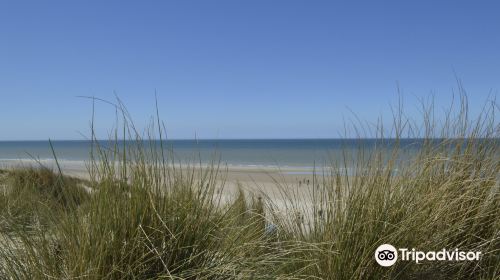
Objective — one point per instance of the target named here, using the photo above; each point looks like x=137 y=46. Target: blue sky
x=237 y=69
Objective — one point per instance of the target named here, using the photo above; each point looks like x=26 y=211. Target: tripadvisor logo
x=387 y=255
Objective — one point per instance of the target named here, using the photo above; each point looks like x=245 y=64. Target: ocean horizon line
x=237 y=139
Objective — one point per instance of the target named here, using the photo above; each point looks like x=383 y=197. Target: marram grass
x=146 y=218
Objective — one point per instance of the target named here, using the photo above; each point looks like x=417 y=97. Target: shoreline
x=280 y=186
x=78 y=168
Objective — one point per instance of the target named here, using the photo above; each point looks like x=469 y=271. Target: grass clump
x=445 y=195
x=147 y=218
x=131 y=230
x=28 y=193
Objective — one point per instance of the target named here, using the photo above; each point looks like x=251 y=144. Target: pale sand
x=256 y=178
x=286 y=190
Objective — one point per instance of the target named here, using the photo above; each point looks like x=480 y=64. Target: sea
x=295 y=155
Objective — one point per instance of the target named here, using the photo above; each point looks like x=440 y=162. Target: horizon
x=242 y=139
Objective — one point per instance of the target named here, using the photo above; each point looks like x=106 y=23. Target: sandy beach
x=271 y=182
x=245 y=175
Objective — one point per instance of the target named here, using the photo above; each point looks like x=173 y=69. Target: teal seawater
x=304 y=153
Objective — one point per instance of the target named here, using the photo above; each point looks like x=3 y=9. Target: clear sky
x=237 y=69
